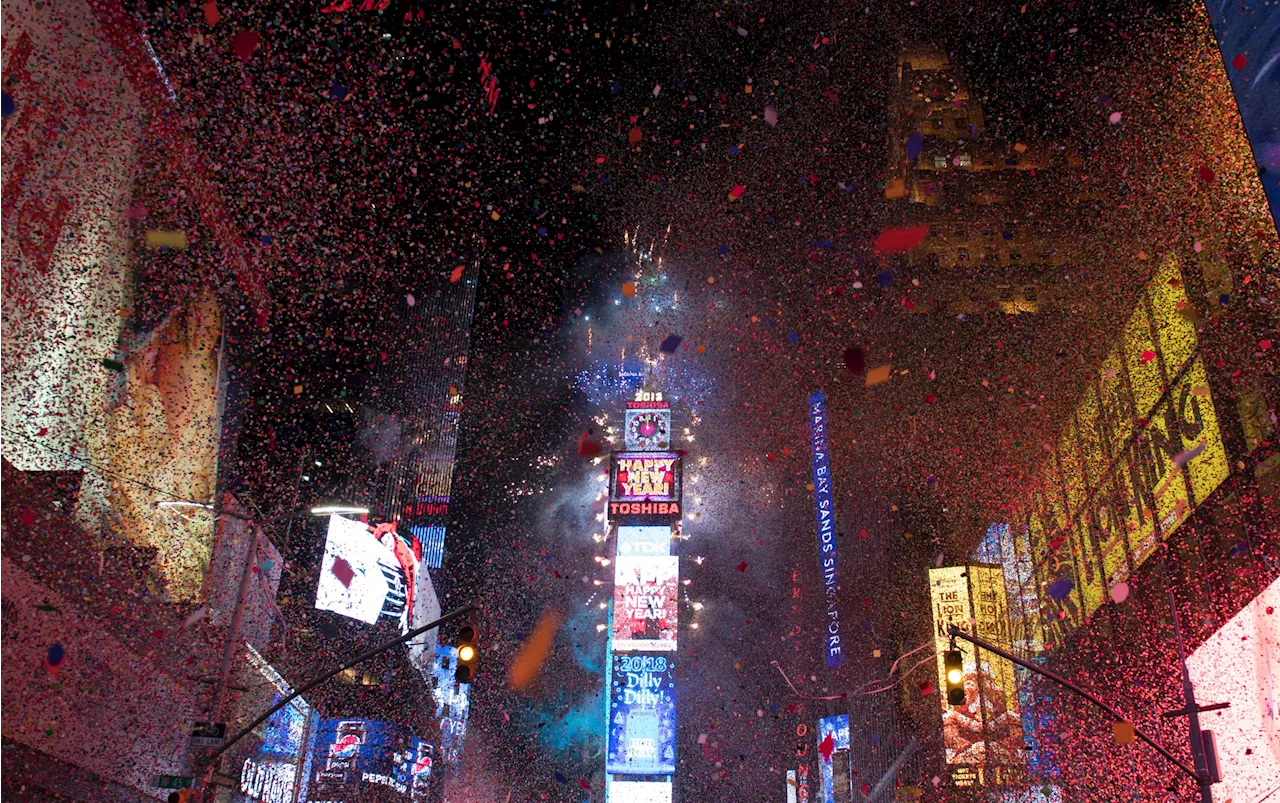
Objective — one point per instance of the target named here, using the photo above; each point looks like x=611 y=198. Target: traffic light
x=182 y=796
x=468 y=654
x=953 y=663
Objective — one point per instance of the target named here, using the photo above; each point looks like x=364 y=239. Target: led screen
x=645 y=603
x=825 y=508
x=987 y=728
x=647 y=430
x=640 y=792
x=356 y=577
x=835 y=765
x=353 y=757
x=645 y=477
x=642 y=728
x=644 y=541
x=1240 y=664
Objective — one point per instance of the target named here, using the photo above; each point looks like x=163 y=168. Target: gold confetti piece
x=1123 y=732
x=896 y=188
x=878 y=375
x=628 y=289
x=297 y=390
x=172 y=239
x=533 y=653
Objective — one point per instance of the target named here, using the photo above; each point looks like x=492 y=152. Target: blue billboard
x=1249 y=36
x=835 y=766
x=824 y=502
x=642 y=730
x=353 y=756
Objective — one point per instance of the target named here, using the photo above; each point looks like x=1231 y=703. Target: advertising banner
x=835 y=766
x=640 y=792
x=365 y=574
x=642 y=728
x=644 y=541
x=791 y=786
x=645 y=603
x=1241 y=663
x=353 y=757
x=1132 y=463
x=273 y=773
x=644 y=487
x=647 y=430
x=824 y=504
x=987 y=728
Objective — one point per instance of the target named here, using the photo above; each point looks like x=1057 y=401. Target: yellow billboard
x=1134 y=460
x=987 y=728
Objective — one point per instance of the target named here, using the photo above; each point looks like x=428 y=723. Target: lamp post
x=237 y=614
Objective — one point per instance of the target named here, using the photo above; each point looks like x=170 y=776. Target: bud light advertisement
x=354 y=756
x=642 y=731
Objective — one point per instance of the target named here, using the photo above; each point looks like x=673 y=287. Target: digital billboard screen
x=825 y=508
x=642 y=726
x=640 y=791
x=1241 y=664
x=647 y=430
x=987 y=728
x=359 y=576
x=835 y=766
x=353 y=757
x=644 y=486
x=645 y=603
x=648 y=540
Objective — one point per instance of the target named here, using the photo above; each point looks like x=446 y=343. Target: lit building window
x=940 y=163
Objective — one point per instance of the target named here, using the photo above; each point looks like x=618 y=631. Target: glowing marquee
x=644 y=484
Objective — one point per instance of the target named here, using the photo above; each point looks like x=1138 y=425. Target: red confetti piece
x=742 y=567
x=1147 y=356
x=456 y=275
x=343 y=571
x=1239 y=61
x=827 y=747
x=736 y=192
x=903 y=239
x=244 y=44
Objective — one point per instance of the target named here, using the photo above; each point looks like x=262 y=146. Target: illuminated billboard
x=361 y=576
x=1240 y=664
x=1131 y=464
x=824 y=504
x=645 y=603
x=644 y=487
x=640 y=792
x=273 y=773
x=644 y=540
x=647 y=430
x=791 y=786
x=645 y=477
x=835 y=767
x=642 y=726
x=354 y=757
x=987 y=728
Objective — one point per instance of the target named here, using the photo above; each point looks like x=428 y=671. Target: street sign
x=209 y=734
x=175 y=781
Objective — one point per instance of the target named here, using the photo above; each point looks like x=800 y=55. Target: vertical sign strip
x=824 y=502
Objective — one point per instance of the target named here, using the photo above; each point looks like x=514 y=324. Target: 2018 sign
x=642 y=731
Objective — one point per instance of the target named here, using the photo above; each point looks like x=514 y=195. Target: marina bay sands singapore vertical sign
x=824 y=501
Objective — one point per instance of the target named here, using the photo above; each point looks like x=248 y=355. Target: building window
x=939 y=163
x=964 y=160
